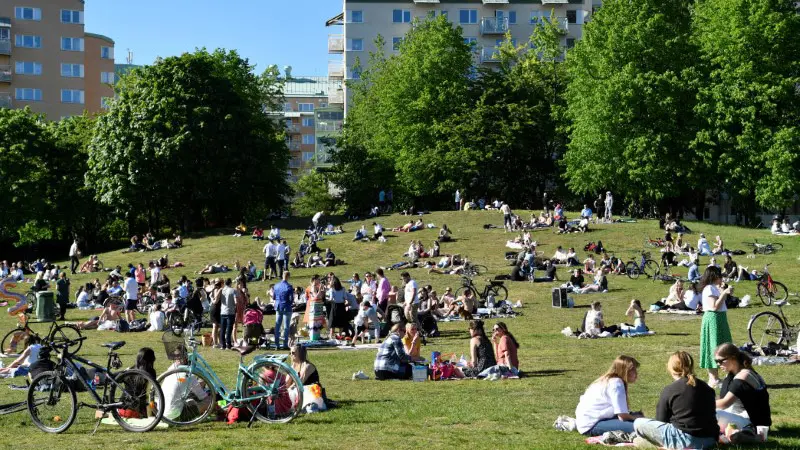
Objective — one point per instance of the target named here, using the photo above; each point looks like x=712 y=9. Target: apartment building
x=484 y=24
x=49 y=63
x=310 y=129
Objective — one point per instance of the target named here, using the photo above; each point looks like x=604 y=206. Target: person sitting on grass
x=464 y=305
x=593 y=323
x=605 y=404
x=444 y=234
x=330 y=258
x=635 y=311
x=361 y=233
x=481 y=352
x=743 y=398
x=588 y=264
x=572 y=258
x=576 y=280
x=297 y=262
x=239 y=230
x=560 y=256
x=730 y=270
x=411 y=342
x=315 y=260
x=366 y=320
x=20 y=366
x=685 y=413
x=392 y=362
x=258 y=234
x=549 y=273
x=600 y=284
x=184 y=397
x=719 y=246
x=505 y=346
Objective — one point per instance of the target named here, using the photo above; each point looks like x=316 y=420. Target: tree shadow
x=785 y=431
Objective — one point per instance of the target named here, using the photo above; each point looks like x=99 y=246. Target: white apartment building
x=484 y=24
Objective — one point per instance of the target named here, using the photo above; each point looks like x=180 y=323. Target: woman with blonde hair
x=685 y=416
x=604 y=405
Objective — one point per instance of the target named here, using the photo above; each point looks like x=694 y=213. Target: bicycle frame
x=67 y=361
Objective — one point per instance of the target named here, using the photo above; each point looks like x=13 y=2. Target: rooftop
x=99 y=36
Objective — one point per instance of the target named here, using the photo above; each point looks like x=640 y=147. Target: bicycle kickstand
x=253 y=416
x=97 y=425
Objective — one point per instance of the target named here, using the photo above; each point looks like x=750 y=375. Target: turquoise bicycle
x=269 y=387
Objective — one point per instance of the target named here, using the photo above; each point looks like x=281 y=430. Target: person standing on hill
x=284 y=302
x=315 y=219
x=506 y=210
x=609 y=203
x=458 y=200
x=74 y=253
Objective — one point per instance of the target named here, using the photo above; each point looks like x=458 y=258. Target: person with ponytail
x=685 y=415
x=743 y=399
x=604 y=405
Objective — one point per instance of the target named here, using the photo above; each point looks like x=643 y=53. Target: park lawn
x=480 y=414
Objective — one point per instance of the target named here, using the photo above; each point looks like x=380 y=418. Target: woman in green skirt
x=715 y=329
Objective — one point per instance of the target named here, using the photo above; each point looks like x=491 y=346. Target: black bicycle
x=133 y=397
x=645 y=265
x=495 y=289
x=18 y=339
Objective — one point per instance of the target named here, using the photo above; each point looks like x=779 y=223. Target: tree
x=748 y=98
x=630 y=103
x=314 y=195
x=188 y=141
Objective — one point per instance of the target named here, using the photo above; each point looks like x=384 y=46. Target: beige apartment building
x=49 y=63
x=484 y=24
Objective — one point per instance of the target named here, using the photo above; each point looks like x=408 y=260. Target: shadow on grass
x=784 y=386
x=675 y=334
x=545 y=373
x=452 y=333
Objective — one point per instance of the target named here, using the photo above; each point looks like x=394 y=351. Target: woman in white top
x=604 y=405
x=635 y=311
x=368 y=288
x=714 y=330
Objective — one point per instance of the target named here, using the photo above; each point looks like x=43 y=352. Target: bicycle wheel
x=499 y=292
x=749 y=244
x=145 y=304
x=651 y=268
x=192 y=392
x=52 y=403
x=140 y=398
x=779 y=291
x=67 y=333
x=175 y=322
x=776 y=245
x=479 y=269
x=278 y=388
x=767 y=249
x=15 y=341
x=766 y=327
x=764 y=294
x=632 y=270
x=460 y=291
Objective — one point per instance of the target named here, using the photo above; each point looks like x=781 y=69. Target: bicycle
x=18 y=339
x=268 y=387
x=471 y=269
x=654 y=243
x=767 y=324
x=645 y=265
x=769 y=290
x=764 y=249
x=133 y=397
x=495 y=289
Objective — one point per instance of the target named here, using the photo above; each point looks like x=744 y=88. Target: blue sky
x=282 y=32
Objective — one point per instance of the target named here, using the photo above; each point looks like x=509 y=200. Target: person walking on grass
x=284 y=302
x=74 y=253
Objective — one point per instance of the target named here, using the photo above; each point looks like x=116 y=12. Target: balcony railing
x=293 y=145
x=336 y=97
x=330 y=127
x=555 y=2
x=426 y=1
x=292 y=129
x=5 y=100
x=5 y=74
x=494 y=2
x=335 y=43
x=494 y=25
x=336 y=70
x=490 y=55
x=5 y=46
x=295 y=163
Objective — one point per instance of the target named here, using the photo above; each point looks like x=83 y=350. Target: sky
x=281 y=32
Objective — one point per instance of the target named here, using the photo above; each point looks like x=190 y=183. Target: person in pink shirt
x=382 y=292
x=505 y=346
x=140 y=274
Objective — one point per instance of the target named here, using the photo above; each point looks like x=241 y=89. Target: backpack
x=589 y=247
x=123 y=326
x=253 y=316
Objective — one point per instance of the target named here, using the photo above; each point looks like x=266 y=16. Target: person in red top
x=505 y=346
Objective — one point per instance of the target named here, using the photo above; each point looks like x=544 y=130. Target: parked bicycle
x=645 y=266
x=654 y=243
x=764 y=249
x=133 y=397
x=767 y=326
x=769 y=290
x=495 y=289
x=472 y=270
x=268 y=386
x=18 y=339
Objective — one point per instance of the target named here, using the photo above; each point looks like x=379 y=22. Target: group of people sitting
x=783 y=227
x=688 y=413
x=148 y=243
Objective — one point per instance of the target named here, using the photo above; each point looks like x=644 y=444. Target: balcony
x=5 y=74
x=293 y=146
x=335 y=43
x=336 y=97
x=497 y=2
x=555 y=2
x=494 y=25
x=295 y=163
x=336 y=70
x=5 y=47
x=330 y=127
x=490 y=55
x=426 y=2
x=5 y=100
x=293 y=129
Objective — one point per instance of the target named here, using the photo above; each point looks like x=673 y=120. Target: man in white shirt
x=185 y=397
x=270 y=255
x=458 y=200
x=411 y=299
x=609 y=203
x=280 y=258
x=506 y=210
x=315 y=219
x=131 y=296
x=74 y=252
x=155 y=275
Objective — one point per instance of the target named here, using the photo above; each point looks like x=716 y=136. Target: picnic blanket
x=675 y=311
x=372 y=346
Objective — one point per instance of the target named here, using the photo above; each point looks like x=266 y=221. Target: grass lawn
x=457 y=414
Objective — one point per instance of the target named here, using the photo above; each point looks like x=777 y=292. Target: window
x=305 y=107
x=21 y=13
x=401 y=16
x=287 y=107
x=72 y=70
x=499 y=42
x=107 y=52
x=512 y=17
x=444 y=13
x=467 y=16
x=308 y=156
x=72 y=44
x=308 y=139
x=396 y=41
x=71 y=16
x=355 y=16
x=572 y=16
x=595 y=8
x=104 y=102
x=355 y=74
x=570 y=42
x=5 y=34
x=308 y=121
x=537 y=17
x=28 y=94
x=323 y=105
x=471 y=41
x=72 y=96
x=28 y=68
x=107 y=77
x=27 y=41
x=355 y=45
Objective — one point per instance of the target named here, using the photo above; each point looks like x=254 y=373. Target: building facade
x=49 y=63
x=484 y=24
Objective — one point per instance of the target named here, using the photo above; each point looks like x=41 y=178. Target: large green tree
x=188 y=141
x=748 y=98
x=630 y=102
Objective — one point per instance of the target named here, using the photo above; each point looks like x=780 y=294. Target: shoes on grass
x=360 y=375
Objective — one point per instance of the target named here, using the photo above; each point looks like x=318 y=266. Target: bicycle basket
x=466 y=282
x=175 y=346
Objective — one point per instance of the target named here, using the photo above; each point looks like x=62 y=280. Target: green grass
x=507 y=414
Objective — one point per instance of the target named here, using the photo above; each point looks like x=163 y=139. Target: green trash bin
x=46 y=306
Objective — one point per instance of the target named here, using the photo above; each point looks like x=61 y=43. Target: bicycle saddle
x=113 y=345
x=244 y=351
x=780 y=303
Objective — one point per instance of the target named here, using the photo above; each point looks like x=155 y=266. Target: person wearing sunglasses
x=743 y=398
x=505 y=346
